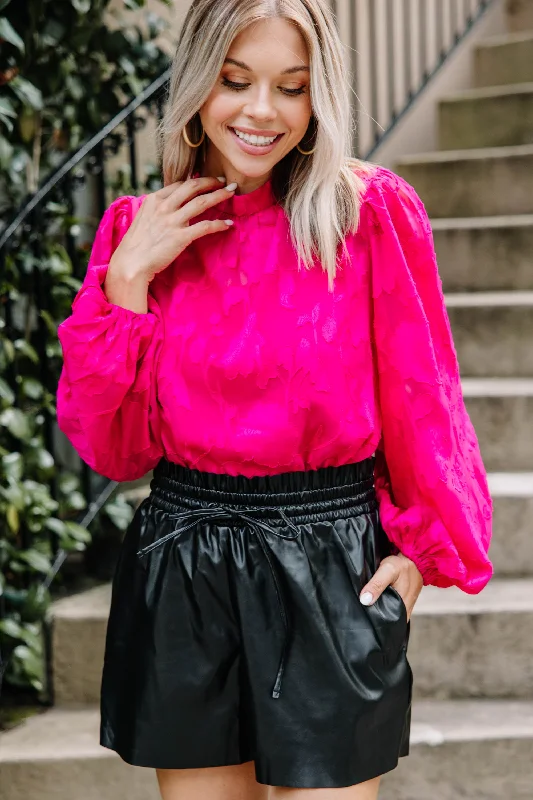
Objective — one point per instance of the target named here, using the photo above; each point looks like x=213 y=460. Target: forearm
x=126 y=288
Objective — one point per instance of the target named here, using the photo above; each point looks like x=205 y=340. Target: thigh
x=363 y=791
x=216 y=783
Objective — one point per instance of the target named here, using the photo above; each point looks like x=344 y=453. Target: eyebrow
x=288 y=71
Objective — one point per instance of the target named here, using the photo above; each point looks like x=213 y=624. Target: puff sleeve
x=106 y=393
x=430 y=480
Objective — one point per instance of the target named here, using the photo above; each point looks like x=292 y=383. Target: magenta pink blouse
x=245 y=365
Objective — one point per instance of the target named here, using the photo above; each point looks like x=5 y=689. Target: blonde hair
x=320 y=193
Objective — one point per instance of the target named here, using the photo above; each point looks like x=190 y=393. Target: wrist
x=130 y=275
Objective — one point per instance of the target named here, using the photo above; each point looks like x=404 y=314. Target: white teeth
x=252 y=139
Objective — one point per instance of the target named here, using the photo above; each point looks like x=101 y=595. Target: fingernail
x=366 y=598
x=231 y=187
x=221 y=179
x=229 y=222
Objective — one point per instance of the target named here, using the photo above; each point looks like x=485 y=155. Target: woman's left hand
x=399 y=572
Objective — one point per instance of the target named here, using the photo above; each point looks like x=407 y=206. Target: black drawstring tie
x=213 y=511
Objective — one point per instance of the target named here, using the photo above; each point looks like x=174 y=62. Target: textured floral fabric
x=246 y=365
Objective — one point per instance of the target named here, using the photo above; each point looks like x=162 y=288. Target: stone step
x=519 y=15
x=56 y=755
x=503 y=60
x=493 y=333
x=78 y=638
x=468 y=749
x=452 y=647
x=501 y=410
x=485 y=253
x=511 y=549
x=490 y=117
x=472 y=183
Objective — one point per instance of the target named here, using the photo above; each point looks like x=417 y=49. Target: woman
x=278 y=349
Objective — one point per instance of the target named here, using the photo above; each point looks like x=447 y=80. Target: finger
x=189 y=189
x=386 y=574
x=201 y=203
x=207 y=226
x=167 y=190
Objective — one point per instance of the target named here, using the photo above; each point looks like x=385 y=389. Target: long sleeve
x=431 y=484
x=106 y=403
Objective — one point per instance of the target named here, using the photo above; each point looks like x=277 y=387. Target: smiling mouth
x=256 y=141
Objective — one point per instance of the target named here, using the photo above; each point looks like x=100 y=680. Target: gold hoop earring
x=184 y=132
x=308 y=152
x=305 y=152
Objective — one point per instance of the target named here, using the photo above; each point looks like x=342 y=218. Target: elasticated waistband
x=308 y=495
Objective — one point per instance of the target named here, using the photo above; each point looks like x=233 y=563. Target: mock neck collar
x=246 y=204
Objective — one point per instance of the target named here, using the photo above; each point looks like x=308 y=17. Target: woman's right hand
x=160 y=230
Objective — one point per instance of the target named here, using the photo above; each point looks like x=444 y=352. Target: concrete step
x=56 y=755
x=485 y=253
x=460 y=644
x=519 y=15
x=511 y=549
x=78 y=638
x=493 y=333
x=501 y=410
x=490 y=117
x=468 y=749
x=503 y=60
x=472 y=183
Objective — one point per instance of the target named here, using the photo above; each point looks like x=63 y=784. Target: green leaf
x=34 y=609
x=32 y=388
x=119 y=512
x=8 y=32
x=6 y=107
x=81 y=6
x=4 y=4
x=27 y=92
x=16 y=422
x=25 y=348
x=78 y=532
x=10 y=628
x=12 y=517
x=45 y=460
x=37 y=561
x=12 y=465
x=49 y=321
x=6 y=392
x=56 y=526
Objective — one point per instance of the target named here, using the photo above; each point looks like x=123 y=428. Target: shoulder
x=390 y=202
x=118 y=216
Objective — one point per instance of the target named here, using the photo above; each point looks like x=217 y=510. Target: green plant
x=64 y=72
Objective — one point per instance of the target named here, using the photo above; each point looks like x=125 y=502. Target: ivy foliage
x=66 y=69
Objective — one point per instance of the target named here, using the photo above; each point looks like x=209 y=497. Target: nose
x=260 y=105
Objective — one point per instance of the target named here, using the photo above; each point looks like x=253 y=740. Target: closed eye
x=239 y=87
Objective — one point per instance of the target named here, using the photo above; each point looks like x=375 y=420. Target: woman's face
x=262 y=89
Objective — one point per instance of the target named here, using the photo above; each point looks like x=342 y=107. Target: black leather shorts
x=236 y=632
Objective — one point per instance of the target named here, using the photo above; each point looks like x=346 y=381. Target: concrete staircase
x=472 y=656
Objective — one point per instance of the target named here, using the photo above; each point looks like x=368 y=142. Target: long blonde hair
x=320 y=193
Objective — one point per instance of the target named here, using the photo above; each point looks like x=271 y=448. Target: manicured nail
x=222 y=179
x=229 y=222
x=366 y=598
x=231 y=187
